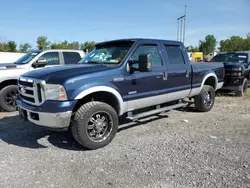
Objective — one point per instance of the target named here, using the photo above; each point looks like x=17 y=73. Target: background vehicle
x=132 y=77
x=209 y=56
x=9 y=73
x=196 y=56
x=237 y=71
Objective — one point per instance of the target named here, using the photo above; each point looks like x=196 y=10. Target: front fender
x=11 y=74
x=100 y=87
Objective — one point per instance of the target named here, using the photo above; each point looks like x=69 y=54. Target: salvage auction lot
x=180 y=148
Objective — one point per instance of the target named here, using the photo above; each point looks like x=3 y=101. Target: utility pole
x=181 y=32
x=177 y=30
x=182 y=28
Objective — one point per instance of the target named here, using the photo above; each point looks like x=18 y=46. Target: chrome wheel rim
x=10 y=98
x=99 y=126
x=208 y=99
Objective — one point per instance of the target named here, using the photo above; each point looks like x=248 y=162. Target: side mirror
x=39 y=63
x=145 y=62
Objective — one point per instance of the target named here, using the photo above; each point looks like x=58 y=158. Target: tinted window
x=147 y=49
x=71 y=57
x=174 y=55
x=230 y=57
x=52 y=58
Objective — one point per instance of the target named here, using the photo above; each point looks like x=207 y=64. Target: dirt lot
x=179 y=149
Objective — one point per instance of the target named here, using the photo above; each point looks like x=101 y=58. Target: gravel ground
x=178 y=149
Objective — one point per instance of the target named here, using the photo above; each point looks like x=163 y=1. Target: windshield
x=26 y=58
x=230 y=57
x=108 y=53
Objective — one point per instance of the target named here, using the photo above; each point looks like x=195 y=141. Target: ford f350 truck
x=237 y=71
x=132 y=78
x=37 y=59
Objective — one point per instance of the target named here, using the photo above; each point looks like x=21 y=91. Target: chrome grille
x=31 y=90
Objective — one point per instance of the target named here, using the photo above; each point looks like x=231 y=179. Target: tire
x=85 y=131
x=205 y=100
x=8 y=98
x=243 y=90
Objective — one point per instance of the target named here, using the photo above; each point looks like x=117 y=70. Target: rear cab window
x=175 y=56
x=71 y=57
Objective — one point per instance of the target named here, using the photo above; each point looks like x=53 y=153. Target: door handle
x=165 y=75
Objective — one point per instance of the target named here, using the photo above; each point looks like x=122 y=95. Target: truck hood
x=60 y=74
x=10 y=66
x=230 y=65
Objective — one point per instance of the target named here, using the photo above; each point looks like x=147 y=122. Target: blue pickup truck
x=132 y=78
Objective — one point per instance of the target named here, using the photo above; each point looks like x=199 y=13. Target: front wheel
x=8 y=98
x=243 y=90
x=205 y=100
x=94 y=125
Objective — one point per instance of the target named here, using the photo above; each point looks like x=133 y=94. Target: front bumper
x=56 y=120
x=233 y=83
x=232 y=88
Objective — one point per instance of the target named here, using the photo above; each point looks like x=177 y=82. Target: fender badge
x=132 y=92
x=118 y=79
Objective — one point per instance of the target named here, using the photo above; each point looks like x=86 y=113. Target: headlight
x=236 y=74
x=55 y=92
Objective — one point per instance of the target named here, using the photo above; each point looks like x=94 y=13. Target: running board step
x=153 y=112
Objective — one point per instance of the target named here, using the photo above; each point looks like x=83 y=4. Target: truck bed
x=201 y=69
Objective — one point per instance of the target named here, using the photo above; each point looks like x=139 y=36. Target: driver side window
x=52 y=58
x=146 y=49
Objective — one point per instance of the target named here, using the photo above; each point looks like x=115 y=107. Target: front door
x=142 y=87
x=52 y=59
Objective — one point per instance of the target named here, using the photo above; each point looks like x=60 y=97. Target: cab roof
x=142 y=40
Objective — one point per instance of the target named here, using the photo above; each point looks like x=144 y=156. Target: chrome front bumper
x=51 y=120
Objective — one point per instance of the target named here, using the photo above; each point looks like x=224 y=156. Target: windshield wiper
x=92 y=62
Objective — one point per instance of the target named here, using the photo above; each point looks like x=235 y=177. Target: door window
x=175 y=56
x=52 y=58
x=147 y=49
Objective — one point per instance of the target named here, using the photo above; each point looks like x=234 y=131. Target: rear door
x=178 y=72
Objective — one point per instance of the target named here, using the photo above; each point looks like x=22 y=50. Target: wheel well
x=101 y=96
x=211 y=82
x=7 y=83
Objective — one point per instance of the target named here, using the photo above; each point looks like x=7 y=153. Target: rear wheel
x=205 y=100
x=243 y=90
x=94 y=125
x=8 y=98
